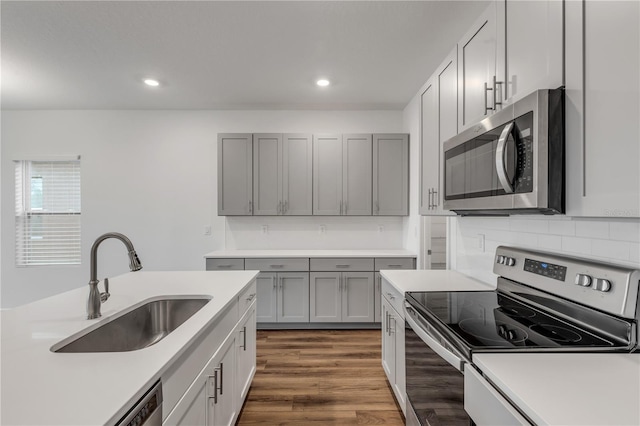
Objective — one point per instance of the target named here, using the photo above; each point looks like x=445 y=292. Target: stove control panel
x=549 y=270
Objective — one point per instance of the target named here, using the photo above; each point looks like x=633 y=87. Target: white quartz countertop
x=433 y=280
x=308 y=253
x=40 y=387
x=569 y=388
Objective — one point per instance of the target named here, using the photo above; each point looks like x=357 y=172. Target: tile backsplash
x=474 y=240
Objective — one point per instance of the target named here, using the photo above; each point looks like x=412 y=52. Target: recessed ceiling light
x=322 y=82
x=151 y=82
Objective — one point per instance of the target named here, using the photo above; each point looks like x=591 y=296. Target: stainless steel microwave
x=511 y=162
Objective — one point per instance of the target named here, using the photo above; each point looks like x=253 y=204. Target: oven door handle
x=501 y=166
x=430 y=339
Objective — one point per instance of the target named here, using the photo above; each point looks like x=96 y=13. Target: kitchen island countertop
x=40 y=387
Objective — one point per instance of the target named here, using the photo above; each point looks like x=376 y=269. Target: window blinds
x=47 y=213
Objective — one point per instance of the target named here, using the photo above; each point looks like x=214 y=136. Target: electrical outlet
x=381 y=228
x=207 y=230
x=322 y=229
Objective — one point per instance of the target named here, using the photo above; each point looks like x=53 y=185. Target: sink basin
x=137 y=327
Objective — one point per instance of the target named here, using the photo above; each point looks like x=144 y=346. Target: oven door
x=434 y=371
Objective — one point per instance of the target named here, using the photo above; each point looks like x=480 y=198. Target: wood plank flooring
x=320 y=377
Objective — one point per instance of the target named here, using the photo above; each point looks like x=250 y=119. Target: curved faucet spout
x=94 y=302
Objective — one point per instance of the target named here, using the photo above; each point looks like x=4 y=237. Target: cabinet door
x=225 y=410
x=327 y=174
x=293 y=297
x=400 y=383
x=325 y=297
x=429 y=150
x=246 y=349
x=297 y=174
x=356 y=175
x=195 y=413
x=533 y=62
x=602 y=108
x=477 y=67
x=267 y=157
x=266 y=286
x=357 y=296
x=377 y=298
x=388 y=344
x=391 y=175
x=235 y=171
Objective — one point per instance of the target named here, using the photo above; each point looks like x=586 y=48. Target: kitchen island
x=42 y=387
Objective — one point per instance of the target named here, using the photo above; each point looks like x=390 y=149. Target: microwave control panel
x=524 y=175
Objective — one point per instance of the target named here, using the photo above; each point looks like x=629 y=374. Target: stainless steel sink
x=137 y=327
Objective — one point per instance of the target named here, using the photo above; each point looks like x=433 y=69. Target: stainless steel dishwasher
x=147 y=411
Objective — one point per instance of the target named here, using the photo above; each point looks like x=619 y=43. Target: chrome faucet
x=95 y=297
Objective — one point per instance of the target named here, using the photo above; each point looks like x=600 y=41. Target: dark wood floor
x=320 y=377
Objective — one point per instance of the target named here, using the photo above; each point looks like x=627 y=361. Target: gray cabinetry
x=327 y=175
x=342 y=174
x=282 y=297
x=282 y=173
x=235 y=174
x=390 y=174
x=602 y=108
x=341 y=297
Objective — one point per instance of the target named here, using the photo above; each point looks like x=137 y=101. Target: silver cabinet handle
x=486 y=108
x=221 y=377
x=391 y=329
x=279 y=207
x=250 y=297
x=391 y=296
x=501 y=166
x=495 y=93
x=342 y=266
x=435 y=198
x=276 y=266
x=429 y=204
x=394 y=266
x=250 y=207
x=244 y=338
x=386 y=322
x=224 y=266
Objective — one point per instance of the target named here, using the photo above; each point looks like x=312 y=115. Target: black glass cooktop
x=491 y=320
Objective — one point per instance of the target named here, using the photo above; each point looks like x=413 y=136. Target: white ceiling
x=224 y=54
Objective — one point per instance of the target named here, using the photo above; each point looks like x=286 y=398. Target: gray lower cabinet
x=390 y=175
x=282 y=297
x=235 y=170
x=341 y=297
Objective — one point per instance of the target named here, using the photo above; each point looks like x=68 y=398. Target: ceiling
x=224 y=54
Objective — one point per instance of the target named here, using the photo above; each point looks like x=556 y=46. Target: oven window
x=435 y=389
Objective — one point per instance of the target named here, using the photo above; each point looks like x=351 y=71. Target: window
x=47 y=212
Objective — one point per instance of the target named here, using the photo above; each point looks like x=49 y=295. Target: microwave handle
x=501 y=166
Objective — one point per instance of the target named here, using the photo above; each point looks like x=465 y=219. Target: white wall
x=152 y=176
x=609 y=240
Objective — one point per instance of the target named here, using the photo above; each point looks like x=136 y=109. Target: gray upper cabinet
x=602 y=108
x=391 y=174
x=477 y=70
x=282 y=172
x=439 y=122
x=297 y=174
x=267 y=166
x=327 y=174
x=533 y=63
x=342 y=175
x=235 y=174
x=356 y=175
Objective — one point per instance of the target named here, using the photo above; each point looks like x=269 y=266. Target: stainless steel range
x=544 y=302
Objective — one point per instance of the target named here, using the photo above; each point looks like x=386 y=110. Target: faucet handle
x=104 y=296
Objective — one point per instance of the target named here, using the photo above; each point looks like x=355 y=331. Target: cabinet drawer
x=342 y=264
x=225 y=264
x=278 y=264
x=395 y=263
x=247 y=297
x=393 y=296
